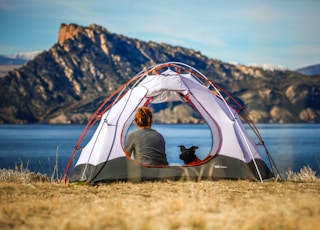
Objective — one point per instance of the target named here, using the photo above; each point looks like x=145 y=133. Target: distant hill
x=66 y=83
x=269 y=67
x=4 y=60
x=7 y=64
x=14 y=61
x=310 y=70
x=19 y=57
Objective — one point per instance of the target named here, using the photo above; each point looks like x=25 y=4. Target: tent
x=233 y=154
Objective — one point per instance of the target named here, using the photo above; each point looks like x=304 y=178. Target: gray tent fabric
x=103 y=159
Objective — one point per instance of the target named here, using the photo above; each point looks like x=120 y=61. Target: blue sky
x=281 y=32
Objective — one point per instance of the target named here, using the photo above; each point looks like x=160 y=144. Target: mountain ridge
x=310 y=70
x=66 y=83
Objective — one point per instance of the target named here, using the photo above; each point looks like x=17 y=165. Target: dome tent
x=103 y=159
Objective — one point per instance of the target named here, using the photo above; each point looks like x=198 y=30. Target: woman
x=147 y=145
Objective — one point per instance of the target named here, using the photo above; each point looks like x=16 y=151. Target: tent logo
x=220 y=167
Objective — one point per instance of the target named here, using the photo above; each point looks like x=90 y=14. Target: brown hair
x=143 y=117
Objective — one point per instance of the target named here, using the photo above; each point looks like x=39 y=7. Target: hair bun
x=143 y=117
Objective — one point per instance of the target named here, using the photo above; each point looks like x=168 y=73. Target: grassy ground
x=160 y=205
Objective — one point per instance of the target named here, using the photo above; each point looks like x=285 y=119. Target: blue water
x=36 y=147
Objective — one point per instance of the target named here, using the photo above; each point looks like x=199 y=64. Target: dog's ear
x=182 y=148
x=194 y=147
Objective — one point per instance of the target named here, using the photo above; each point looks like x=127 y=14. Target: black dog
x=188 y=155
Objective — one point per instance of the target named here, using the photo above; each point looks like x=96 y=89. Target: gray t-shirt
x=148 y=147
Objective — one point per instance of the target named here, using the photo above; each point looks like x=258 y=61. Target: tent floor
x=125 y=169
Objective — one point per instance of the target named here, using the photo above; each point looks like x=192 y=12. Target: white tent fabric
x=106 y=141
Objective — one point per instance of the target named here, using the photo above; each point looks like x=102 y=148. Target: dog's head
x=188 y=155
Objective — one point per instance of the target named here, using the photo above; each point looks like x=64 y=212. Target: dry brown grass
x=306 y=174
x=21 y=175
x=161 y=205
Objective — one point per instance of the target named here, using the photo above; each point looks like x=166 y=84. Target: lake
x=37 y=147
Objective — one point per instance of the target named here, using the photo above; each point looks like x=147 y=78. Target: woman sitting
x=146 y=144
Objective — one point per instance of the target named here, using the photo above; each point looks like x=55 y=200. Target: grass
x=22 y=175
x=306 y=174
x=34 y=203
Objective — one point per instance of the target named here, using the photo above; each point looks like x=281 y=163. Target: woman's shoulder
x=139 y=131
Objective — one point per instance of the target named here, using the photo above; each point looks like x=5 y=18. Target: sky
x=276 y=32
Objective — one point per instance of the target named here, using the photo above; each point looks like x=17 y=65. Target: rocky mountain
x=66 y=83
